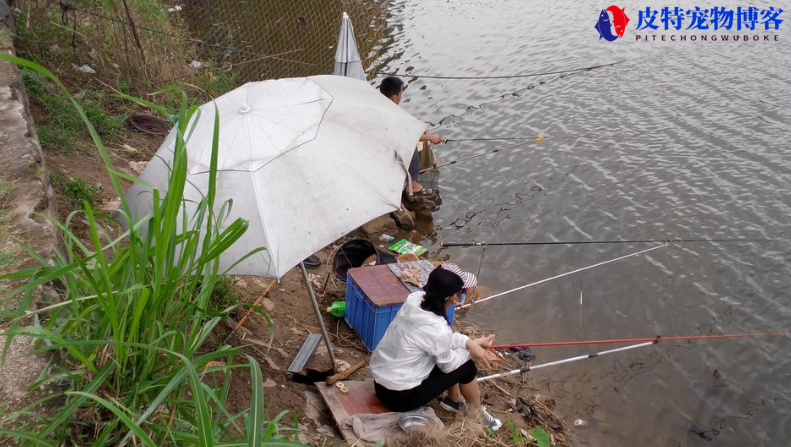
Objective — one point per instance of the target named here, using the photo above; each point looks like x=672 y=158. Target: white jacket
x=415 y=341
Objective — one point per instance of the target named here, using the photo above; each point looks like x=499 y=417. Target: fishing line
x=635 y=241
x=458 y=160
x=480 y=264
x=497 y=295
x=527 y=368
x=525 y=75
x=657 y=339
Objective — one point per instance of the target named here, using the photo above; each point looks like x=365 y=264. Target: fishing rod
x=527 y=368
x=646 y=342
x=656 y=339
x=497 y=295
x=539 y=138
x=634 y=241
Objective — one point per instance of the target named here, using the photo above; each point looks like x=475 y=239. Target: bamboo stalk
x=249 y=311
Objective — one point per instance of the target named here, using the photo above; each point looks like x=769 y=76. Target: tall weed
x=132 y=336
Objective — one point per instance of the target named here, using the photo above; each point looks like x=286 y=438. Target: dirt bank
x=289 y=308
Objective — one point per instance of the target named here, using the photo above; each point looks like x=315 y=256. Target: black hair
x=391 y=86
x=441 y=285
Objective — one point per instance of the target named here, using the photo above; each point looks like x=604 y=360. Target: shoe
x=312 y=261
x=451 y=405
x=492 y=422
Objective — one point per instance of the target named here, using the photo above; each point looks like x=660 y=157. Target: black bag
x=353 y=253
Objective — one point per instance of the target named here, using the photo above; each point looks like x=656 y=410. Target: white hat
x=469 y=279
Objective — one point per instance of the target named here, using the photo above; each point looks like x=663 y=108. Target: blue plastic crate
x=368 y=320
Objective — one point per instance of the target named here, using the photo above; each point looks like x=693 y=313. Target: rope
x=497 y=295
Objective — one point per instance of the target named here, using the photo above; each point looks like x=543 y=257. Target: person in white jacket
x=420 y=357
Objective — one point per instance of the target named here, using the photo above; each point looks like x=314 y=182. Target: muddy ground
x=288 y=305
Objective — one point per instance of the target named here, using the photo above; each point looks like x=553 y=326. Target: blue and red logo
x=605 y=26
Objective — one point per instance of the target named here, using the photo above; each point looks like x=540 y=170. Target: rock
x=269 y=383
x=268 y=305
x=382 y=224
x=84 y=68
x=111 y=206
x=314 y=407
x=242 y=283
x=405 y=219
x=138 y=166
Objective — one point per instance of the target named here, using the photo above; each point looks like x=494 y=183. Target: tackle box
x=373 y=296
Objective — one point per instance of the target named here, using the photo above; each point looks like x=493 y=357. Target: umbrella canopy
x=305 y=161
x=347 y=58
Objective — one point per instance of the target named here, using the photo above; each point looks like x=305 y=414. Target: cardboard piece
x=361 y=399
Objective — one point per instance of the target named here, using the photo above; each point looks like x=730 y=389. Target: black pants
x=435 y=384
x=414 y=166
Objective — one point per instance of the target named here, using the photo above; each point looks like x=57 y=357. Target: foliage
x=134 y=359
x=59 y=124
x=537 y=436
x=79 y=193
x=7 y=253
x=224 y=295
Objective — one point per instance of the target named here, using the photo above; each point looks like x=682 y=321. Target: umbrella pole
x=324 y=333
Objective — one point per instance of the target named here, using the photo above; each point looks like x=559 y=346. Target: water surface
x=680 y=140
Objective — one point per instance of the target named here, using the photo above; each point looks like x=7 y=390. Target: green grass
x=59 y=127
x=79 y=193
x=224 y=295
x=131 y=330
x=8 y=250
x=537 y=436
x=7 y=255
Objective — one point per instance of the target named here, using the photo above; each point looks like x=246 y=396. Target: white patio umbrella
x=347 y=58
x=305 y=161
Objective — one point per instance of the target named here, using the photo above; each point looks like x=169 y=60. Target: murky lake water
x=682 y=140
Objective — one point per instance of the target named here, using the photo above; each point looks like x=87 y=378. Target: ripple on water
x=680 y=141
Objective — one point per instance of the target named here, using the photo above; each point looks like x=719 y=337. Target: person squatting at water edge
x=420 y=357
x=393 y=88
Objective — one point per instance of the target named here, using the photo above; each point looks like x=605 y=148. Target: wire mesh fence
x=151 y=43
x=131 y=42
x=275 y=39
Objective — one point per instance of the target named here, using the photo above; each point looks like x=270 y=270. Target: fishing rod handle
x=461 y=244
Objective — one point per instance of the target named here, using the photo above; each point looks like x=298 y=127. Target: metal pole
x=636 y=241
x=497 y=295
x=324 y=333
x=525 y=369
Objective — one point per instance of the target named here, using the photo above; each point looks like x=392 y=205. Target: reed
x=131 y=336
